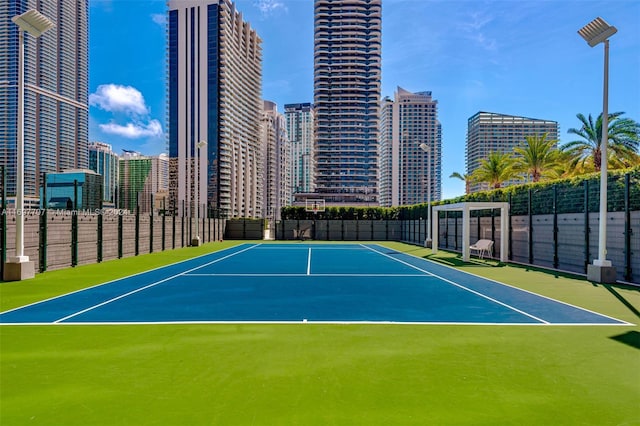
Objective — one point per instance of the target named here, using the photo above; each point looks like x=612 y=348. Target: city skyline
x=55 y=89
x=518 y=58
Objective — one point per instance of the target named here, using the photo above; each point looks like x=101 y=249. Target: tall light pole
x=594 y=33
x=426 y=148
x=196 y=189
x=36 y=24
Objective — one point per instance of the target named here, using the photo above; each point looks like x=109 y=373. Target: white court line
x=117 y=279
x=398 y=260
x=309 y=262
x=299 y=322
x=149 y=286
x=304 y=275
x=513 y=287
x=470 y=290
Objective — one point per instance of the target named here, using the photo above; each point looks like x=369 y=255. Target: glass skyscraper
x=214 y=95
x=56 y=91
x=300 y=122
x=406 y=171
x=491 y=132
x=104 y=161
x=347 y=69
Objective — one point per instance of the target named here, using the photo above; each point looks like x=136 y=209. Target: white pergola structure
x=466 y=208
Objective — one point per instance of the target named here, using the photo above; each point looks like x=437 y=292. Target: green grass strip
x=311 y=374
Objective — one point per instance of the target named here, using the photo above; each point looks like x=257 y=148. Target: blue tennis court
x=327 y=283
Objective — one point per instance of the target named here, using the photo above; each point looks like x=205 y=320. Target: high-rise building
x=104 y=161
x=276 y=186
x=347 y=69
x=491 y=132
x=214 y=95
x=300 y=122
x=56 y=77
x=143 y=181
x=408 y=173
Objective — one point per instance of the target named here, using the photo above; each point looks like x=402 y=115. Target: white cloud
x=268 y=7
x=473 y=29
x=134 y=130
x=159 y=18
x=117 y=98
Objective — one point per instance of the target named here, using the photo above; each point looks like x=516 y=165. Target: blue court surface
x=326 y=283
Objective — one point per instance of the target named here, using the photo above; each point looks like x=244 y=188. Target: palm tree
x=495 y=169
x=465 y=178
x=623 y=140
x=537 y=157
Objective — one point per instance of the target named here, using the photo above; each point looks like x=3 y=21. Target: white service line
x=114 y=280
x=398 y=260
x=470 y=290
x=521 y=289
x=149 y=286
x=309 y=262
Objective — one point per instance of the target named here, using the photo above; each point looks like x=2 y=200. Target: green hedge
x=570 y=199
x=346 y=213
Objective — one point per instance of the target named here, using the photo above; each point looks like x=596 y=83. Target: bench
x=482 y=247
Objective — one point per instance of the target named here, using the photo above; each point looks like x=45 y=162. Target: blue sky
x=515 y=57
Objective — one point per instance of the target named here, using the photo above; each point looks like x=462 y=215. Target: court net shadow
x=631 y=338
x=611 y=289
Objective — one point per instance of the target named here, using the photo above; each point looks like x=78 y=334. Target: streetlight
x=596 y=32
x=20 y=268
x=426 y=148
x=196 y=241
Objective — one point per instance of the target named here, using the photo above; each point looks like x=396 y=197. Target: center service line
x=309 y=262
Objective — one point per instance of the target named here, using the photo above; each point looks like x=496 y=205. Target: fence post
x=137 y=230
x=386 y=230
x=530 y=211
x=586 y=225
x=510 y=253
x=164 y=220
x=182 y=223
x=43 y=227
x=120 y=226
x=74 y=225
x=100 y=215
x=151 y=227
x=627 y=227
x=455 y=225
x=556 y=261
x=4 y=221
x=493 y=223
x=446 y=229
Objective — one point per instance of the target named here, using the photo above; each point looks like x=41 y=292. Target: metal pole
x=602 y=236
x=20 y=257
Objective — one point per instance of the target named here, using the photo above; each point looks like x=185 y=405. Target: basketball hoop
x=314 y=206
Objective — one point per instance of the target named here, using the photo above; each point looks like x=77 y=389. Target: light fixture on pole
x=594 y=33
x=426 y=148
x=196 y=189
x=20 y=267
